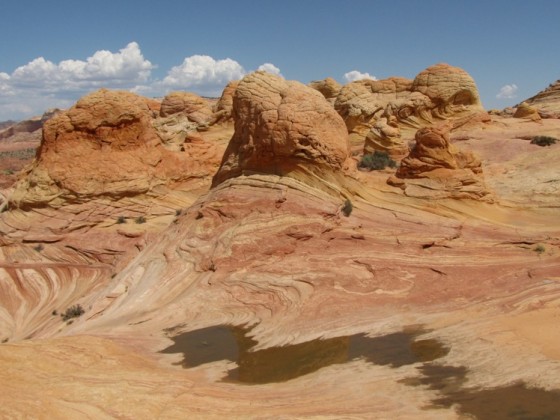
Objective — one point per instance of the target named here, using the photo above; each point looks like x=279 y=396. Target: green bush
x=543 y=140
x=347 y=208
x=73 y=312
x=376 y=161
x=121 y=220
x=539 y=249
x=140 y=220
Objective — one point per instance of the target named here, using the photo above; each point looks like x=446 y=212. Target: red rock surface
x=280 y=124
x=277 y=252
x=435 y=168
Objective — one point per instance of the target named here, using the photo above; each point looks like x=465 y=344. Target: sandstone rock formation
x=435 y=168
x=453 y=300
x=105 y=145
x=385 y=136
x=280 y=124
x=439 y=92
x=451 y=89
x=524 y=110
x=329 y=87
x=361 y=102
x=548 y=100
x=223 y=109
x=195 y=108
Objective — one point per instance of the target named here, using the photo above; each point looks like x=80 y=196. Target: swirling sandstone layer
x=274 y=250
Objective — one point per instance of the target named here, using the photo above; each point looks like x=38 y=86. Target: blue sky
x=54 y=52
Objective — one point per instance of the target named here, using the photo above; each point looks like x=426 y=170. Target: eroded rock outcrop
x=194 y=107
x=547 y=101
x=223 y=109
x=329 y=87
x=385 y=136
x=526 y=111
x=105 y=145
x=439 y=92
x=280 y=124
x=436 y=169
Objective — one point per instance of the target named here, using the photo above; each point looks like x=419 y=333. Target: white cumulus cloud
x=203 y=74
x=354 y=75
x=270 y=68
x=104 y=68
x=507 y=92
x=42 y=84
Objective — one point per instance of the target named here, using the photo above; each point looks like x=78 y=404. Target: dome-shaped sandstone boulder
x=280 y=124
x=448 y=87
x=196 y=109
x=328 y=87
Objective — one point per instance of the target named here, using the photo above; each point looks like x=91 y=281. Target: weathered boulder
x=451 y=89
x=224 y=107
x=439 y=92
x=524 y=110
x=280 y=124
x=362 y=102
x=197 y=109
x=105 y=145
x=436 y=169
x=328 y=87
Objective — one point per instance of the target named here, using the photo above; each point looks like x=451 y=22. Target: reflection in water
x=277 y=364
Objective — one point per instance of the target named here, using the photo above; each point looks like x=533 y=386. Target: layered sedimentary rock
x=280 y=124
x=274 y=256
x=195 y=108
x=435 y=168
x=547 y=101
x=385 y=136
x=524 y=110
x=105 y=145
x=223 y=109
x=329 y=87
x=439 y=92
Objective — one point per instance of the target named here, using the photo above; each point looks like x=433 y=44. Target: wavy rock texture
x=287 y=256
x=328 y=87
x=547 y=101
x=280 y=124
x=435 y=168
x=437 y=93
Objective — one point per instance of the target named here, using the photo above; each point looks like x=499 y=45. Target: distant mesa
x=436 y=169
x=279 y=125
x=12 y=128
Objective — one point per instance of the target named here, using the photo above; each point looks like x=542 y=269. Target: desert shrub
x=376 y=161
x=121 y=220
x=73 y=312
x=347 y=208
x=39 y=247
x=543 y=140
x=539 y=249
x=140 y=219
